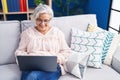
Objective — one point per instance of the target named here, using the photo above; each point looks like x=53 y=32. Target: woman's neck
x=43 y=31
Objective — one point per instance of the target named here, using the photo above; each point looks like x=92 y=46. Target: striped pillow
x=107 y=43
x=111 y=38
x=88 y=42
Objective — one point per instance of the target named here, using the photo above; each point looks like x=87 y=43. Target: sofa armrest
x=116 y=60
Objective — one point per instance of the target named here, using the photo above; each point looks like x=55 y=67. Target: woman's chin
x=43 y=29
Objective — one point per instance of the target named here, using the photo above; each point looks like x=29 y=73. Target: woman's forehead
x=44 y=15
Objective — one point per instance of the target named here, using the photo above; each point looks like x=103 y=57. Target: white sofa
x=10 y=35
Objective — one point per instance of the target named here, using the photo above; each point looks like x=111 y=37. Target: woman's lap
x=41 y=75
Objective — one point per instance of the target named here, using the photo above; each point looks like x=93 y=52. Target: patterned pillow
x=112 y=49
x=107 y=43
x=77 y=64
x=110 y=43
x=88 y=42
x=25 y=24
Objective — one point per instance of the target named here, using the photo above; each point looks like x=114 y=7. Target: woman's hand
x=58 y=60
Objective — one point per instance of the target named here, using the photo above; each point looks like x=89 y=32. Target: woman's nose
x=42 y=23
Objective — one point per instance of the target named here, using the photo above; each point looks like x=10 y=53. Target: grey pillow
x=77 y=64
x=26 y=24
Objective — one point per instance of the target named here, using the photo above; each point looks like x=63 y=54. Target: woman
x=45 y=40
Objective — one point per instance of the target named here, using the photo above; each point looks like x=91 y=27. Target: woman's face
x=42 y=22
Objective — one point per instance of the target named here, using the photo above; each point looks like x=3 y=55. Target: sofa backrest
x=65 y=23
x=78 y=21
x=9 y=39
x=10 y=32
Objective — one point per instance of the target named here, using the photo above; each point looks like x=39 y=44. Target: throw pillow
x=25 y=24
x=88 y=42
x=76 y=64
x=110 y=43
x=112 y=49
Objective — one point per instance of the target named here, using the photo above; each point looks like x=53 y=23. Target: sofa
x=10 y=36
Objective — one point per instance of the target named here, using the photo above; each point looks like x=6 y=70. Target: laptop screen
x=44 y=63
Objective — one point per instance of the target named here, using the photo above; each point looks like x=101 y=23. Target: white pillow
x=88 y=42
x=110 y=43
x=112 y=48
x=76 y=64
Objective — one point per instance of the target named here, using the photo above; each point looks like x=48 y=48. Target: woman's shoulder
x=55 y=28
x=58 y=31
x=28 y=30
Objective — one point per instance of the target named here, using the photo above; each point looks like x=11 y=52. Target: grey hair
x=41 y=8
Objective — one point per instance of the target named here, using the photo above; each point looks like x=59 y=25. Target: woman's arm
x=22 y=48
x=65 y=51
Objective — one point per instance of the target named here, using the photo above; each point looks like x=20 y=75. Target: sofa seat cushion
x=105 y=73
x=9 y=72
x=68 y=77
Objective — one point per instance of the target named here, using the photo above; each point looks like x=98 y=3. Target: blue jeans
x=41 y=75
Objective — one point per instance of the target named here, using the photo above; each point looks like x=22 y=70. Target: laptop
x=44 y=63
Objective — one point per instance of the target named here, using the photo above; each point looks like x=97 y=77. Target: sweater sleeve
x=22 y=48
x=65 y=51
